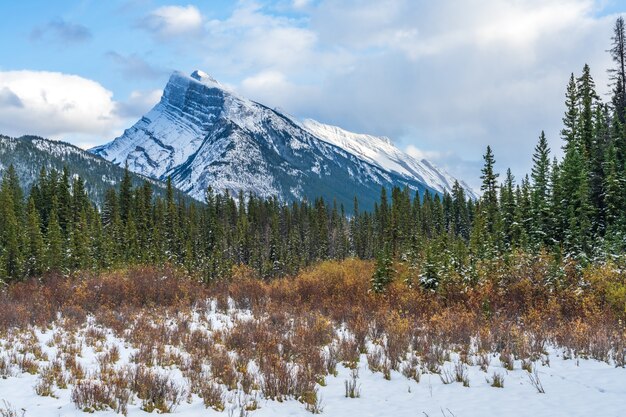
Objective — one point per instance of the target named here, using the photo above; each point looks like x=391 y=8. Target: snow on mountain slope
x=201 y=134
x=381 y=152
x=29 y=154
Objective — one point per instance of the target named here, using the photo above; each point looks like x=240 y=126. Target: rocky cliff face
x=201 y=134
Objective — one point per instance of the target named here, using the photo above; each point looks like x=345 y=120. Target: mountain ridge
x=28 y=154
x=202 y=134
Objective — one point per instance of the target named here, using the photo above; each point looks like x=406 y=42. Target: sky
x=442 y=79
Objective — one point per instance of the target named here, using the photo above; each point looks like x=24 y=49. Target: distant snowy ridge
x=202 y=134
x=29 y=154
x=380 y=151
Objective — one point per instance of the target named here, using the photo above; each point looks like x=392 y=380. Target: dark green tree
x=383 y=274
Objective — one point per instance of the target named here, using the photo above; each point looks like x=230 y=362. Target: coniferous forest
x=572 y=210
x=146 y=300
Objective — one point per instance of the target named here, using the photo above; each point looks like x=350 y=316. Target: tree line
x=573 y=209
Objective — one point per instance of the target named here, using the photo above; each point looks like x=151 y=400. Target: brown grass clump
x=284 y=337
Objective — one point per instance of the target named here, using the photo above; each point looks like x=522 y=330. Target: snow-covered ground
x=573 y=386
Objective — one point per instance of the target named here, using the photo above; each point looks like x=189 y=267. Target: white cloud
x=447 y=75
x=9 y=99
x=274 y=89
x=138 y=103
x=267 y=80
x=55 y=105
x=251 y=40
x=169 y=21
x=300 y=4
x=420 y=154
x=62 y=106
x=451 y=76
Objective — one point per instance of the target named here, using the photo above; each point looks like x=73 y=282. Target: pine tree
x=617 y=74
x=383 y=275
x=11 y=260
x=35 y=261
x=508 y=205
x=171 y=223
x=569 y=133
x=126 y=196
x=11 y=182
x=574 y=184
x=489 y=185
x=601 y=138
x=55 y=254
x=431 y=269
x=64 y=201
x=558 y=218
x=524 y=215
x=460 y=213
x=614 y=194
x=489 y=203
x=541 y=191
x=587 y=102
x=80 y=243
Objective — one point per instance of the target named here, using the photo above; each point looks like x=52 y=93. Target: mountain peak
x=203 y=77
x=202 y=134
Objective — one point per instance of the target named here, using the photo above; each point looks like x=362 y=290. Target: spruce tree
x=601 y=139
x=617 y=74
x=569 y=133
x=81 y=244
x=64 y=201
x=35 y=262
x=55 y=253
x=508 y=205
x=11 y=259
x=489 y=203
x=460 y=213
x=126 y=196
x=587 y=102
x=558 y=215
x=615 y=200
x=383 y=275
x=574 y=183
x=541 y=191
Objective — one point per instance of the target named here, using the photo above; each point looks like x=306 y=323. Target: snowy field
x=572 y=386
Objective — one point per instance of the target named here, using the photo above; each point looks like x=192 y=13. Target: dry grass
x=284 y=337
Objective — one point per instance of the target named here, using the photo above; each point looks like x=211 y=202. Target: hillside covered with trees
x=572 y=210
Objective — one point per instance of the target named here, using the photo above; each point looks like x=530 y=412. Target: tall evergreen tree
x=617 y=74
x=126 y=196
x=489 y=203
x=587 y=102
x=55 y=247
x=541 y=191
x=615 y=199
x=383 y=274
x=508 y=205
x=11 y=257
x=569 y=133
x=35 y=262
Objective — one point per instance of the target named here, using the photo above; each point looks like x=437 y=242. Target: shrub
x=7 y=410
x=352 y=389
x=156 y=391
x=92 y=395
x=497 y=380
x=533 y=376
x=461 y=373
x=212 y=395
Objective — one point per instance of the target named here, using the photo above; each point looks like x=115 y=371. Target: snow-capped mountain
x=202 y=134
x=380 y=151
x=29 y=154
